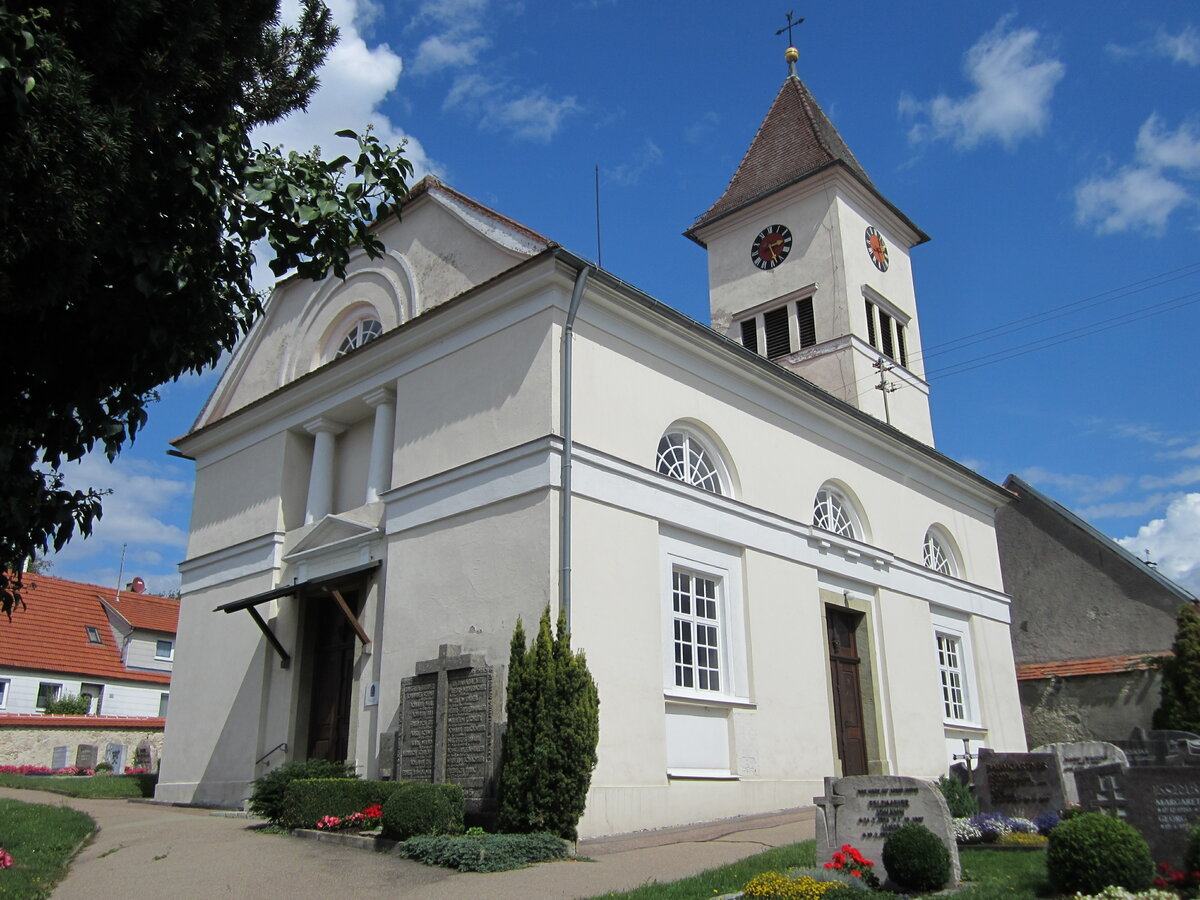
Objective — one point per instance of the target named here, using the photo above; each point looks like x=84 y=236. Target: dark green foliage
x=963 y=804
x=1092 y=851
x=1179 y=706
x=1191 y=854
x=42 y=839
x=916 y=859
x=267 y=797
x=553 y=713
x=485 y=852
x=69 y=705
x=130 y=202
x=307 y=800
x=418 y=807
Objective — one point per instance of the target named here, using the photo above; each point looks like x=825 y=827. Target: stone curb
x=373 y=843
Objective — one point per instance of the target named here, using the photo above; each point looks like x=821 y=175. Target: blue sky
x=1051 y=151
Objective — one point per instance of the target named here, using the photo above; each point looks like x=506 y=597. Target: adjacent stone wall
x=31 y=743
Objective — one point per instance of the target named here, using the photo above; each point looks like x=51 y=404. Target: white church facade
x=774 y=575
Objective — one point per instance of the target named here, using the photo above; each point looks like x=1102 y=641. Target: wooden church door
x=332 y=678
x=844 y=666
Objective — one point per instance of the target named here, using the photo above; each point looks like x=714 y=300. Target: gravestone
x=58 y=759
x=1019 y=785
x=448 y=726
x=114 y=755
x=1161 y=748
x=1162 y=802
x=143 y=756
x=863 y=810
x=86 y=756
x=1077 y=755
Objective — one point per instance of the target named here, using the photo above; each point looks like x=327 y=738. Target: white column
x=320 y=479
x=383 y=437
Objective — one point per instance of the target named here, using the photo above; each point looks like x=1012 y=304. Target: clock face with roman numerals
x=877 y=249
x=771 y=247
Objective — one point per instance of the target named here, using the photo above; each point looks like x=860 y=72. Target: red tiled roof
x=35 y=720
x=49 y=633
x=145 y=610
x=1104 y=665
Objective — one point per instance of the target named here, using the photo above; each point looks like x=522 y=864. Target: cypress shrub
x=418 y=807
x=1191 y=854
x=549 y=751
x=308 y=800
x=267 y=795
x=1092 y=851
x=916 y=859
x=962 y=803
x=1179 y=704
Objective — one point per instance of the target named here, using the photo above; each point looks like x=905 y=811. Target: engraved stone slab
x=1162 y=748
x=388 y=762
x=1162 y=802
x=114 y=755
x=864 y=809
x=58 y=759
x=86 y=756
x=1078 y=755
x=143 y=756
x=1019 y=784
x=417 y=720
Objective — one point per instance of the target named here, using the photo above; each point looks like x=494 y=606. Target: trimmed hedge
x=418 y=807
x=916 y=858
x=1089 y=852
x=485 y=852
x=268 y=791
x=308 y=800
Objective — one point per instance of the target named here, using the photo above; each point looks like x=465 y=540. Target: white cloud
x=628 y=174
x=1173 y=542
x=1125 y=509
x=1141 y=196
x=1014 y=80
x=1080 y=488
x=1182 y=478
x=531 y=115
x=441 y=51
x=1179 y=48
x=702 y=128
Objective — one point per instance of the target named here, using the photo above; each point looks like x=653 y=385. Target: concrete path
x=149 y=851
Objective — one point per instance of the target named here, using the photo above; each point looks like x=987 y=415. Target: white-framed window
x=164 y=650
x=956 y=678
x=937 y=552
x=361 y=332
x=777 y=332
x=886 y=327
x=48 y=691
x=696 y=630
x=163 y=700
x=3 y=693
x=834 y=511
x=683 y=456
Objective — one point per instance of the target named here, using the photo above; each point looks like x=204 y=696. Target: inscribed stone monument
x=1020 y=785
x=1162 y=802
x=86 y=756
x=1077 y=755
x=864 y=809
x=58 y=759
x=448 y=726
x=1161 y=748
x=143 y=756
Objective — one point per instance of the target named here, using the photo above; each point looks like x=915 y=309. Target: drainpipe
x=564 y=530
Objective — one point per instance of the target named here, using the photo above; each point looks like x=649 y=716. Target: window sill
x=964 y=727
x=701 y=775
x=716 y=700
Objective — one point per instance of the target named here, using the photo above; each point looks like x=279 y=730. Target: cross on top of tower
x=791 y=54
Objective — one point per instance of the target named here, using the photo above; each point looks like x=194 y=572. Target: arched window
x=937 y=553
x=361 y=332
x=833 y=512
x=683 y=457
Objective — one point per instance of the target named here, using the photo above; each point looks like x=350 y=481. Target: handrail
x=282 y=746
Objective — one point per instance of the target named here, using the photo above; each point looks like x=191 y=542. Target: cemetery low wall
x=30 y=740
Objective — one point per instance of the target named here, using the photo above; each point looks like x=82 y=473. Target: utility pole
x=886 y=386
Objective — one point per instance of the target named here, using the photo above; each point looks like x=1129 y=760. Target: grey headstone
x=1020 y=785
x=1158 y=750
x=1077 y=755
x=1162 y=802
x=114 y=755
x=58 y=759
x=143 y=756
x=864 y=809
x=86 y=756
x=448 y=725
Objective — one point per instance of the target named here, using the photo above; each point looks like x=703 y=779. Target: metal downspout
x=564 y=529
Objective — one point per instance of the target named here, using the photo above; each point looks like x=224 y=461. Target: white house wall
x=121 y=698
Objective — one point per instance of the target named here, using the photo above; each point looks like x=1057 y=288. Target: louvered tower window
x=779 y=334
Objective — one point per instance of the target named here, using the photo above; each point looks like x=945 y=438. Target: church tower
x=808 y=265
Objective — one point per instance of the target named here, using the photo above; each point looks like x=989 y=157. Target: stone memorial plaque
x=1155 y=750
x=86 y=756
x=143 y=756
x=114 y=755
x=1162 y=802
x=388 y=763
x=1078 y=755
x=448 y=727
x=58 y=759
x=1020 y=785
x=864 y=809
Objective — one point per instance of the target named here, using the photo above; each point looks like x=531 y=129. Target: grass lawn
x=93 y=787
x=988 y=875
x=42 y=839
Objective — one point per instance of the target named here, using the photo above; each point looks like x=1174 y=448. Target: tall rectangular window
x=47 y=691
x=806 y=322
x=750 y=334
x=696 y=631
x=950 y=667
x=3 y=693
x=162 y=704
x=778 y=332
x=886 y=333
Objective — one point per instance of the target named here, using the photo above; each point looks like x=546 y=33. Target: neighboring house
x=82 y=639
x=1088 y=618
x=772 y=584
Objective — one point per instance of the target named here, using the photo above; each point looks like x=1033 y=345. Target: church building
x=773 y=573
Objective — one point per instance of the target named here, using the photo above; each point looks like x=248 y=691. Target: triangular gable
x=333 y=531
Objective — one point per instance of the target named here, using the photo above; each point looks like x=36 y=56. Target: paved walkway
x=149 y=851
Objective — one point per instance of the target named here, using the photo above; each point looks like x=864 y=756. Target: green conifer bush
x=1179 y=706
x=916 y=858
x=1089 y=852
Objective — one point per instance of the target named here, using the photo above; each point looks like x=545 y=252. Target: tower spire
x=791 y=54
